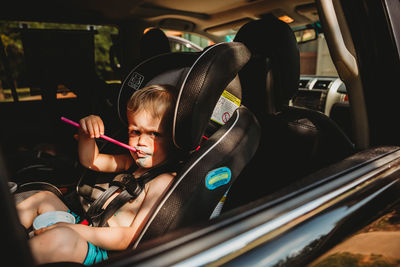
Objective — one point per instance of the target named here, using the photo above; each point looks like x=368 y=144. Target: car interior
x=304 y=139
x=263 y=102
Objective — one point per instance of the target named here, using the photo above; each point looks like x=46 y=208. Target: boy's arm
x=87 y=149
x=92 y=127
x=109 y=238
x=90 y=157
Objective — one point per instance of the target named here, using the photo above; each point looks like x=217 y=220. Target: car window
x=15 y=67
x=186 y=42
x=315 y=58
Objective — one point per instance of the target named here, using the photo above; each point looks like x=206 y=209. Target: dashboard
x=328 y=95
x=320 y=93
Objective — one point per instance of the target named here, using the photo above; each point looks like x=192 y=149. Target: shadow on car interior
x=153 y=42
x=295 y=141
x=53 y=58
x=340 y=113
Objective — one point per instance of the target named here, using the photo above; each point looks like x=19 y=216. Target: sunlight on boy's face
x=146 y=135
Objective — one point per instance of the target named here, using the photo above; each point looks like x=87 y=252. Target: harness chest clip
x=129 y=183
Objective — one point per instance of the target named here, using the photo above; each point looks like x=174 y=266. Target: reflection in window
x=186 y=42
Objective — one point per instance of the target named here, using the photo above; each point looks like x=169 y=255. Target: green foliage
x=103 y=43
x=13 y=48
x=11 y=38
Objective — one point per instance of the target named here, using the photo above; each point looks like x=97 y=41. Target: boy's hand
x=92 y=125
x=44 y=229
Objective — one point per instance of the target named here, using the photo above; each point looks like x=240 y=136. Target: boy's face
x=147 y=135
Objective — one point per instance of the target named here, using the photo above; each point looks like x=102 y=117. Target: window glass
x=186 y=42
x=315 y=58
x=24 y=59
x=12 y=63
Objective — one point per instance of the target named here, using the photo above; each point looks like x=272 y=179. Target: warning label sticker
x=226 y=105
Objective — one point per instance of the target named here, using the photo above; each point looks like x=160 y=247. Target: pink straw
x=101 y=136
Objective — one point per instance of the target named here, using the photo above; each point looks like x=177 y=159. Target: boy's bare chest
x=125 y=215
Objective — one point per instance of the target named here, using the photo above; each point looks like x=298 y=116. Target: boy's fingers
x=83 y=125
x=41 y=230
x=37 y=232
x=44 y=229
x=91 y=130
x=100 y=128
x=96 y=129
x=92 y=125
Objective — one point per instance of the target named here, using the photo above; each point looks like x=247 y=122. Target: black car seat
x=340 y=113
x=295 y=141
x=216 y=142
x=153 y=42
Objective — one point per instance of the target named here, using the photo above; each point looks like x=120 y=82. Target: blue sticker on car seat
x=218 y=177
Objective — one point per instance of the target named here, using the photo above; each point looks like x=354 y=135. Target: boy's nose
x=142 y=139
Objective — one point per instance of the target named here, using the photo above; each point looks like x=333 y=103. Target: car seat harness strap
x=130 y=188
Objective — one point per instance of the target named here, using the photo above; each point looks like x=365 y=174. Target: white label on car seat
x=136 y=80
x=226 y=105
x=218 y=177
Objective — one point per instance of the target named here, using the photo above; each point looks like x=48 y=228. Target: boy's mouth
x=143 y=152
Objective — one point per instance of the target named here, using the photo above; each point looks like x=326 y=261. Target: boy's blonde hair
x=156 y=99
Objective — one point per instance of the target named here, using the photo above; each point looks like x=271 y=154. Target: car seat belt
x=130 y=187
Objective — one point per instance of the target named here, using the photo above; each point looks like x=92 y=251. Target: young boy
x=149 y=114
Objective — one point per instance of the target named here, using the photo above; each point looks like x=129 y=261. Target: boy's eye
x=155 y=134
x=135 y=132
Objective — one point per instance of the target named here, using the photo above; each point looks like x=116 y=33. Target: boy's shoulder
x=161 y=182
x=164 y=178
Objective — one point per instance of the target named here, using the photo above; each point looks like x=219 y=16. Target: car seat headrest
x=199 y=79
x=152 y=43
x=271 y=77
